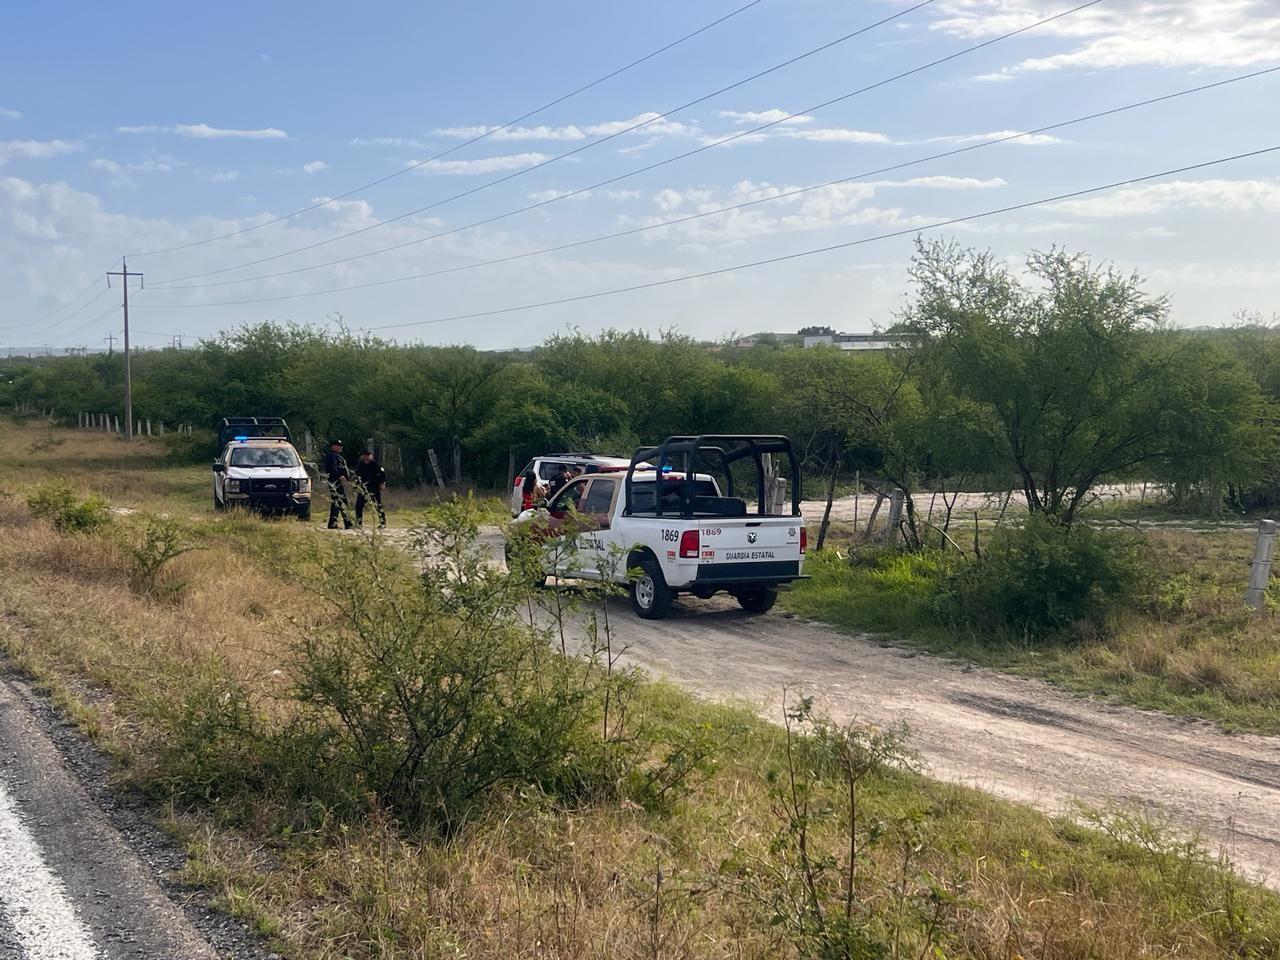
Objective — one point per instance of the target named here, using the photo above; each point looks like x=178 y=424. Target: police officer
x=372 y=478
x=335 y=470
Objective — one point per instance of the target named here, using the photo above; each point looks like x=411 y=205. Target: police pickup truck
x=261 y=473
x=675 y=523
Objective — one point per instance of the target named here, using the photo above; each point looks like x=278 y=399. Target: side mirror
x=219 y=467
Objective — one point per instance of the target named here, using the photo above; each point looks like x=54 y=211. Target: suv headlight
x=304 y=485
x=232 y=486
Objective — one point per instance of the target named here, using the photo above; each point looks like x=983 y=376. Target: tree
x=816 y=331
x=1080 y=379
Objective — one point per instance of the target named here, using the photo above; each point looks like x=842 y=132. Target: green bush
x=57 y=503
x=1043 y=578
x=163 y=540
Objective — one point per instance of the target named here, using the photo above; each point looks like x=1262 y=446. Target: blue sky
x=126 y=131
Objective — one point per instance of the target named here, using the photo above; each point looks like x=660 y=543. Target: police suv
x=675 y=523
x=261 y=473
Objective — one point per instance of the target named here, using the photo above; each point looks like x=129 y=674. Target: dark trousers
x=338 y=505
x=374 y=495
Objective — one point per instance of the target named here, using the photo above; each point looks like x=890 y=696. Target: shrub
x=430 y=692
x=163 y=541
x=57 y=503
x=1042 y=578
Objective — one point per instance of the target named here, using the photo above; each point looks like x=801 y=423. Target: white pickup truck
x=667 y=526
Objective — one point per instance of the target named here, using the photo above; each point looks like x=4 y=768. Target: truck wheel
x=650 y=596
x=757 y=600
x=218 y=505
x=304 y=513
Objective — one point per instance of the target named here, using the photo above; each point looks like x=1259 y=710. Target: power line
x=721 y=210
x=1011 y=208
x=476 y=139
x=580 y=149
x=620 y=177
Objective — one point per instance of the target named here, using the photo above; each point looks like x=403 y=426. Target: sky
x=135 y=130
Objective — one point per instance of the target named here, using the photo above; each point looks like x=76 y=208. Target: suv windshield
x=263 y=457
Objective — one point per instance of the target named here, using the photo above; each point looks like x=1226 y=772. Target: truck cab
x=261 y=473
x=667 y=527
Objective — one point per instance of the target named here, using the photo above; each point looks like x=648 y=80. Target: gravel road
x=1019 y=739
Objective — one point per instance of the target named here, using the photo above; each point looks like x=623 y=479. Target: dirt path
x=1019 y=739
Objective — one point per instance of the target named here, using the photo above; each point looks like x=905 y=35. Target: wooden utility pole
x=124 y=275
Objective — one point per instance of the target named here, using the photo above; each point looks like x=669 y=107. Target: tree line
x=1049 y=381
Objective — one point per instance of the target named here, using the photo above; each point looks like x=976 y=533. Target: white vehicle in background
x=673 y=524
x=262 y=473
x=547 y=467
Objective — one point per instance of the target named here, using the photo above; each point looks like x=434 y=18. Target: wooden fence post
x=457 y=461
x=1260 y=573
x=895 y=516
x=435 y=468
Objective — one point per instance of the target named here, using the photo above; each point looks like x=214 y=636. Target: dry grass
x=532 y=878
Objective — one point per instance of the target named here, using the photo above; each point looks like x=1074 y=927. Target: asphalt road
x=83 y=876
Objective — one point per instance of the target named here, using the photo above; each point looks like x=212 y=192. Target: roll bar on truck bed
x=679 y=455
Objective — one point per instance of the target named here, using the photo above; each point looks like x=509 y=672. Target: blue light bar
x=240 y=438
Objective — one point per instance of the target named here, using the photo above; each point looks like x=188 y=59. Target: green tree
x=1080 y=379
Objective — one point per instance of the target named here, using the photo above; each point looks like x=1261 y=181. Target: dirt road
x=1020 y=739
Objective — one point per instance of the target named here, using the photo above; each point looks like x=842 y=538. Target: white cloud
x=1030 y=140
x=837 y=135
x=1229 y=195
x=315 y=166
x=8 y=114
x=202 y=131
x=264 y=57
x=121 y=173
x=399 y=142
x=545 y=196
x=649 y=125
x=37 y=149
x=498 y=164
x=1122 y=33
x=756 y=117
x=218 y=176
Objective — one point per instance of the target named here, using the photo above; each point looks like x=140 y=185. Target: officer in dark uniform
x=335 y=471
x=372 y=478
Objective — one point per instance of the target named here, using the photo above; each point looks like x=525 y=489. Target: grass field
x=942 y=871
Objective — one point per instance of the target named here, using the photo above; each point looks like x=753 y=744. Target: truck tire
x=218 y=505
x=304 y=513
x=650 y=596
x=757 y=599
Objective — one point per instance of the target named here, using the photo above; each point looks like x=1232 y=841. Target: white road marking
x=33 y=899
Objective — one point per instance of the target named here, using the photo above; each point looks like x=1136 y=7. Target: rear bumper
x=772 y=571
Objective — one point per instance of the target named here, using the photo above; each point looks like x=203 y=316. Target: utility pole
x=110 y=341
x=124 y=275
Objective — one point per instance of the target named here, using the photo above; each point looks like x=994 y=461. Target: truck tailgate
x=746 y=548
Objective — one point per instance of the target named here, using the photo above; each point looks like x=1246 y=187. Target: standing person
x=372 y=478
x=563 y=476
x=529 y=488
x=335 y=471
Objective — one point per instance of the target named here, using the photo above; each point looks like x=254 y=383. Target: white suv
x=262 y=474
x=547 y=467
